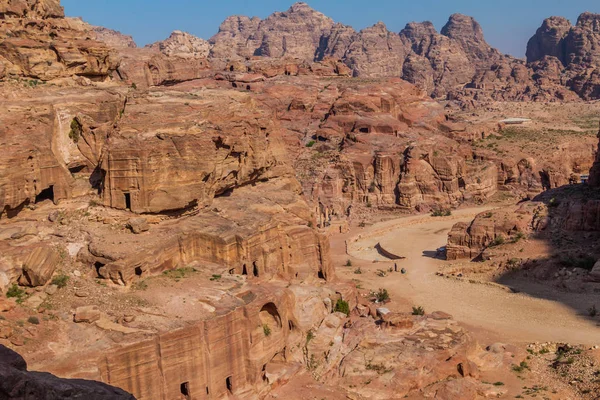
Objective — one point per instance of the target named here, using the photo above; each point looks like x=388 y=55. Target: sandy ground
x=493 y=314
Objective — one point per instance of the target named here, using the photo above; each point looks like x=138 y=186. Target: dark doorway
x=254 y=269
x=321 y=276
x=244 y=270
x=127 y=201
x=46 y=194
x=97 y=266
x=185 y=389
x=138 y=271
x=229 y=385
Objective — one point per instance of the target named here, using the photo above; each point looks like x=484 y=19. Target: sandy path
x=512 y=317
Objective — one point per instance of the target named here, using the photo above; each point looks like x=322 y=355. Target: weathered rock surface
x=112 y=38
x=39 y=266
x=18 y=383
x=183 y=45
x=39 y=43
x=575 y=47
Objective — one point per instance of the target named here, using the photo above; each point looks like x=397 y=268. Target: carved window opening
x=185 y=390
x=76 y=169
x=248 y=87
x=232 y=271
x=46 y=194
x=229 y=384
x=364 y=130
x=97 y=266
x=127 y=201
x=207 y=391
x=244 y=270
x=255 y=269
x=139 y=271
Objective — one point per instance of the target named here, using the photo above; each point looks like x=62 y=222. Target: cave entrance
x=185 y=390
x=97 y=266
x=139 y=271
x=76 y=169
x=229 y=384
x=127 y=201
x=269 y=315
x=255 y=269
x=244 y=270
x=321 y=275
x=46 y=194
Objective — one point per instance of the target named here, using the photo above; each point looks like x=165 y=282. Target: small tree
x=348 y=263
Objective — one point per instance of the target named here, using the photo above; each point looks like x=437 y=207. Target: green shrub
x=418 y=311
x=16 y=292
x=382 y=295
x=521 y=367
x=215 y=277
x=311 y=143
x=342 y=306
x=498 y=383
x=267 y=330
x=60 y=280
x=33 y=320
x=358 y=271
x=309 y=336
x=518 y=237
x=75 y=132
x=441 y=213
x=348 y=263
x=592 y=312
x=133 y=86
x=498 y=241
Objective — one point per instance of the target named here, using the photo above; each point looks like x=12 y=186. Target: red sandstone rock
x=87 y=314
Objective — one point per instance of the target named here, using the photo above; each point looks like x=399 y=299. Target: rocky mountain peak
x=589 y=21
x=547 y=40
x=468 y=33
x=461 y=26
x=301 y=7
x=183 y=45
x=418 y=29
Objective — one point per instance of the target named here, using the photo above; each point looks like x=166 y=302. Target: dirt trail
x=511 y=317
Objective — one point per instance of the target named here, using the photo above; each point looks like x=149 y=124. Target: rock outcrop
x=18 y=383
x=182 y=45
x=37 y=42
x=113 y=39
x=576 y=48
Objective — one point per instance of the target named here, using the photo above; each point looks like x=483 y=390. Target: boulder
x=17 y=383
x=138 y=225
x=39 y=266
x=594 y=274
x=87 y=314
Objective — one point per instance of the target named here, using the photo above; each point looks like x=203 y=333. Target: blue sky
x=507 y=24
